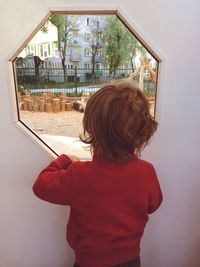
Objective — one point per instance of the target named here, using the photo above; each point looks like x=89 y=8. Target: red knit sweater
x=109 y=206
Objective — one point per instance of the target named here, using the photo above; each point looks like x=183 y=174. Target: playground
x=55 y=114
x=60 y=130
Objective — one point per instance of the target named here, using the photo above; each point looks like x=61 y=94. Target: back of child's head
x=117 y=122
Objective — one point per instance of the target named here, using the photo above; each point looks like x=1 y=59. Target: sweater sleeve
x=55 y=183
x=155 y=194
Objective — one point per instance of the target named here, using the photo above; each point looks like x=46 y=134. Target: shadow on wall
x=193 y=219
x=179 y=237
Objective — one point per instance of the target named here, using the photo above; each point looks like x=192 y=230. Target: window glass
x=66 y=61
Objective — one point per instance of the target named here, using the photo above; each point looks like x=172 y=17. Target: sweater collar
x=98 y=160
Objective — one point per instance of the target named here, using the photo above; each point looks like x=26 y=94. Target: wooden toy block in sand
x=68 y=106
x=56 y=105
x=35 y=108
x=25 y=103
x=41 y=105
x=62 y=105
x=48 y=107
x=35 y=100
x=62 y=97
x=48 y=97
x=30 y=104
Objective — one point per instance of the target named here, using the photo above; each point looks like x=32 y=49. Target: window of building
x=35 y=50
x=68 y=52
x=41 y=51
x=99 y=52
x=87 y=36
x=49 y=49
x=98 y=24
x=28 y=51
x=86 y=66
x=86 y=51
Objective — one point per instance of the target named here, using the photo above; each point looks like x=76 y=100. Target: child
x=111 y=196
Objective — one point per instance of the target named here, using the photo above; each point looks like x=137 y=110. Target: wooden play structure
x=138 y=74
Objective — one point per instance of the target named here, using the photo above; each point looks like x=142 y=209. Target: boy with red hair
x=111 y=196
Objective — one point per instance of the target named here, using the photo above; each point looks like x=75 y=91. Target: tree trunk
x=93 y=67
x=64 y=70
x=63 y=58
x=37 y=62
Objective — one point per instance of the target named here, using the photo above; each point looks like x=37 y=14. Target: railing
x=78 y=80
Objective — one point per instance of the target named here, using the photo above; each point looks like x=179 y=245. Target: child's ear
x=138 y=154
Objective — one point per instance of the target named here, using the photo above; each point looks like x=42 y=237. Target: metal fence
x=50 y=78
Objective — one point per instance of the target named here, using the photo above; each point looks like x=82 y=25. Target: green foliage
x=66 y=25
x=119 y=45
x=75 y=94
x=115 y=43
x=45 y=29
x=37 y=94
x=21 y=89
x=59 y=21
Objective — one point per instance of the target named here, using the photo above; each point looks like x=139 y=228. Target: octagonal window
x=68 y=59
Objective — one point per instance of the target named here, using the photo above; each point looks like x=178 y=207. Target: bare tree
x=66 y=25
x=95 y=41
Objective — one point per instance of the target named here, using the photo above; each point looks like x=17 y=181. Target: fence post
x=76 y=81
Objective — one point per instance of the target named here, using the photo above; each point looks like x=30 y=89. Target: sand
x=68 y=123
x=60 y=130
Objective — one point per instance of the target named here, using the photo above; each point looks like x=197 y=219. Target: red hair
x=117 y=122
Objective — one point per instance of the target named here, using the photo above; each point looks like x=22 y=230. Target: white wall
x=32 y=233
